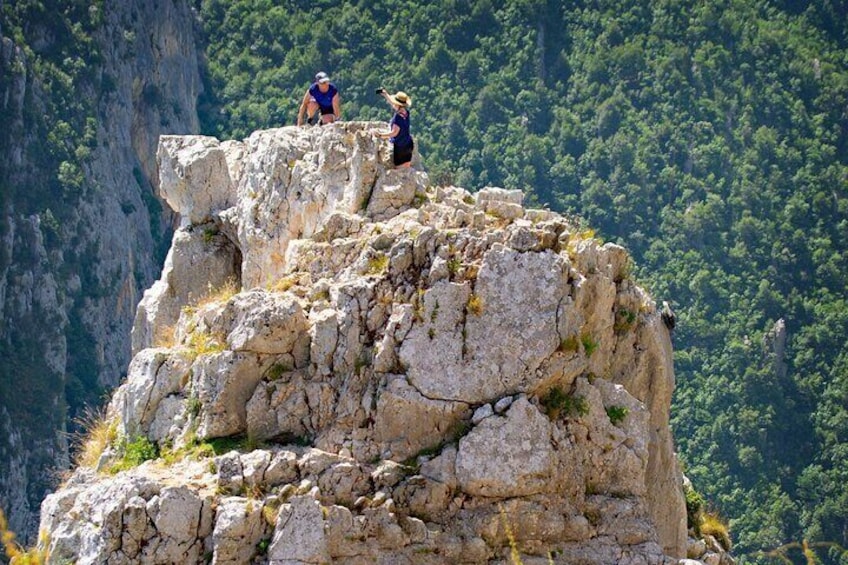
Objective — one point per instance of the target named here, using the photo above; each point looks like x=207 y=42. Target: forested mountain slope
x=709 y=137
x=85 y=90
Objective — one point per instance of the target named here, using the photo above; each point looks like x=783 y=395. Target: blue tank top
x=402 y=139
x=324 y=99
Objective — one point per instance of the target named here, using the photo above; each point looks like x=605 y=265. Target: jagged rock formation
x=79 y=279
x=409 y=373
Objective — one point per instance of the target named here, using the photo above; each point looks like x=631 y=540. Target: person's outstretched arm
x=337 y=106
x=385 y=95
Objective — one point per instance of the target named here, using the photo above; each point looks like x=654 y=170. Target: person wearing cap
x=399 y=133
x=321 y=95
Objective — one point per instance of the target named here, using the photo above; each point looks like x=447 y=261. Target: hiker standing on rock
x=321 y=95
x=399 y=134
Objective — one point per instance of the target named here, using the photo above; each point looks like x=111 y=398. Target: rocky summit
x=344 y=363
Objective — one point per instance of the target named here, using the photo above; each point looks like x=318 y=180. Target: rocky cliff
x=342 y=362
x=77 y=240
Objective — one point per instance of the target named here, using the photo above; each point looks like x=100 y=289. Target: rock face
x=407 y=373
x=70 y=277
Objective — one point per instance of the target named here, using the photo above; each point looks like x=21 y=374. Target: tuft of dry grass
x=165 y=337
x=283 y=284
x=377 y=264
x=203 y=343
x=475 y=305
x=222 y=293
x=101 y=432
x=712 y=525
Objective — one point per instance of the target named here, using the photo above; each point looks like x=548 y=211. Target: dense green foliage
x=49 y=114
x=709 y=137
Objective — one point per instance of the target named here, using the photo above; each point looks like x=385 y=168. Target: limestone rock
x=400 y=371
x=507 y=456
x=299 y=534
x=238 y=530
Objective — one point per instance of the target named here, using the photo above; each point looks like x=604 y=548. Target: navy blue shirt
x=324 y=99
x=401 y=120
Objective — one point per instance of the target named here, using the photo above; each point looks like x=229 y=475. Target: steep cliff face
x=400 y=372
x=78 y=239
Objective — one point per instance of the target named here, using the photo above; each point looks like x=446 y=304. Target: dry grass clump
x=101 y=432
x=203 y=343
x=475 y=305
x=18 y=555
x=712 y=525
x=222 y=293
x=377 y=264
x=165 y=337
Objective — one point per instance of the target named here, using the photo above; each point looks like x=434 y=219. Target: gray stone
x=299 y=535
x=507 y=456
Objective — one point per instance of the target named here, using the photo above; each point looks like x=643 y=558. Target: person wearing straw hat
x=321 y=95
x=399 y=134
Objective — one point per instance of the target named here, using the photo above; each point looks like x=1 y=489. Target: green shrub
x=617 y=414
x=557 y=403
x=694 y=509
x=624 y=320
x=589 y=344
x=276 y=371
x=134 y=452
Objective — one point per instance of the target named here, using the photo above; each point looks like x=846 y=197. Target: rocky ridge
x=407 y=373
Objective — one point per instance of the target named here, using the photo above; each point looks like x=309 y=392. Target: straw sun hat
x=401 y=99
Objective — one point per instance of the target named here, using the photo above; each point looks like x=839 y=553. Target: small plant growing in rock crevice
x=475 y=305
x=204 y=343
x=377 y=264
x=227 y=290
x=570 y=344
x=624 y=320
x=557 y=403
x=276 y=371
x=134 y=451
x=589 y=344
x=454 y=265
x=617 y=414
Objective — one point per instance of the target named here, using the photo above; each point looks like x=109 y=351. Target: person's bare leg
x=311 y=108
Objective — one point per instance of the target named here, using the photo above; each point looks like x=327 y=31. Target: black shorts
x=326 y=110
x=402 y=154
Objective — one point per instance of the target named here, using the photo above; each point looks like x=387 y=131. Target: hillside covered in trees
x=709 y=137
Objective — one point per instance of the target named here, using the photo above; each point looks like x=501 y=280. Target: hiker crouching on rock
x=321 y=95
x=399 y=134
